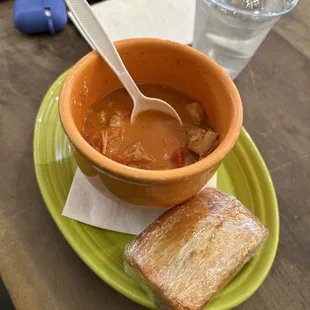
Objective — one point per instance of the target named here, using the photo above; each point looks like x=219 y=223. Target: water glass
x=230 y=31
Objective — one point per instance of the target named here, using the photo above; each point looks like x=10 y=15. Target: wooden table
x=38 y=266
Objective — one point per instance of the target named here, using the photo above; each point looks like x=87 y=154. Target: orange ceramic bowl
x=152 y=61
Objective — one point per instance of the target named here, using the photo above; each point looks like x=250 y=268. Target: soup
x=155 y=140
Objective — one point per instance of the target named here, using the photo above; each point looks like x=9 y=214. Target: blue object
x=40 y=16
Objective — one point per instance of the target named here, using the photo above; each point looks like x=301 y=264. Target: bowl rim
x=135 y=175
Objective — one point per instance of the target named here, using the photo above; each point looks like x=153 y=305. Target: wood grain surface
x=37 y=265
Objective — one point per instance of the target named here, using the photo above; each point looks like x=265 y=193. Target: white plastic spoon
x=93 y=30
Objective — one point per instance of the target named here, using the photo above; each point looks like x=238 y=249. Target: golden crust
x=192 y=250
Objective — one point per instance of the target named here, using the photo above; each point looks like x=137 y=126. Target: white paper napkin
x=165 y=19
x=91 y=203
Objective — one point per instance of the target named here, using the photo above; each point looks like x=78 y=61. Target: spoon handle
x=93 y=30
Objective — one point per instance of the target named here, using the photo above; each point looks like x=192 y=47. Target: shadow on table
x=5 y=300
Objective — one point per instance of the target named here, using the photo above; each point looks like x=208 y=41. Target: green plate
x=242 y=174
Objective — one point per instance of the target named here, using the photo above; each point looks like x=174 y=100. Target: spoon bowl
x=147 y=104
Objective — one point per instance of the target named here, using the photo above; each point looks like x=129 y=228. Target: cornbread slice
x=184 y=258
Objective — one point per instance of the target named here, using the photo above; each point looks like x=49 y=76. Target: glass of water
x=230 y=31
